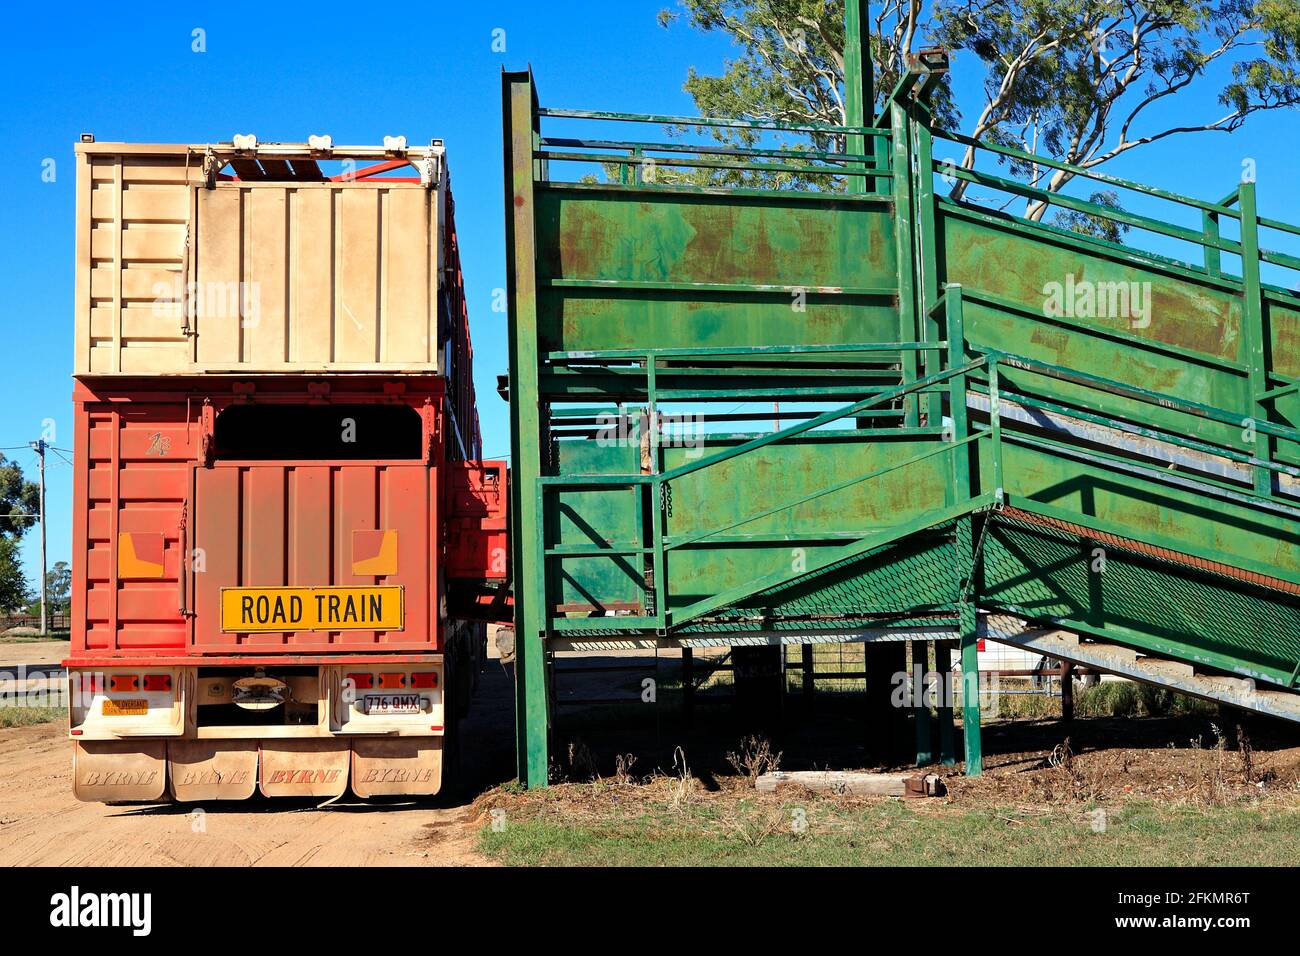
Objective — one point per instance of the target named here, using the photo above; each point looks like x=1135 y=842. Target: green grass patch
x=11 y=716
x=1126 y=699
x=750 y=832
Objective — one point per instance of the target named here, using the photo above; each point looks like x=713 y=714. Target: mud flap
x=113 y=771
x=212 y=770
x=383 y=766
x=304 y=768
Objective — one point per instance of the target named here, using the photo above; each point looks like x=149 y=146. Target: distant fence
x=56 y=622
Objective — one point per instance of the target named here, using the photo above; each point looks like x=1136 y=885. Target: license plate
x=249 y=610
x=393 y=704
x=131 y=707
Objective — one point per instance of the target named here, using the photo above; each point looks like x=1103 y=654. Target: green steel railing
x=957 y=438
x=639 y=157
x=903 y=134
x=656 y=484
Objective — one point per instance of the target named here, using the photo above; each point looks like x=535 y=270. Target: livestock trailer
x=285 y=540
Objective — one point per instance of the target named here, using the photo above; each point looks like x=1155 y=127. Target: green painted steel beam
x=1220 y=208
x=1254 y=345
x=859 y=98
x=968 y=635
x=1094 y=209
x=689 y=121
x=904 y=224
x=1147 y=395
x=703 y=287
x=532 y=712
x=641 y=161
x=710 y=149
x=724 y=192
x=1155 y=434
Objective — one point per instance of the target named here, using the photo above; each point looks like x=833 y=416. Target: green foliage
x=790 y=65
x=58 y=588
x=1089 y=224
x=1082 y=81
x=789 y=69
x=17 y=497
x=13 y=585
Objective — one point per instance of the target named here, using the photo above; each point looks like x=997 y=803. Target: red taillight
x=362 y=681
x=161 y=682
x=429 y=679
x=979 y=645
x=123 y=682
x=389 y=681
x=91 y=683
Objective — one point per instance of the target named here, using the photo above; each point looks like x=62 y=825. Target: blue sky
x=359 y=73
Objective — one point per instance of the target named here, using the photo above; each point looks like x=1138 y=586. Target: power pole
x=39 y=447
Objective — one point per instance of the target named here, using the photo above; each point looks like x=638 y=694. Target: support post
x=904 y=224
x=688 y=686
x=970 y=668
x=1067 y=691
x=943 y=666
x=1210 y=227
x=1253 y=332
x=922 y=724
x=39 y=447
x=927 y=253
x=859 y=98
x=886 y=662
x=808 y=676
x=532 y=712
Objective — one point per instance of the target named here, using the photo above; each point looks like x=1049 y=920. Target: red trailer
x=285 y=540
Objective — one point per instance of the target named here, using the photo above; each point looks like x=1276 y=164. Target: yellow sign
x=245 y=610
x=131 y=707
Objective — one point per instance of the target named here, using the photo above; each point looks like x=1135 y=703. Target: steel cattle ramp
x=761 y=395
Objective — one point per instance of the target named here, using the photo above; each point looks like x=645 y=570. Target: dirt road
x=42 y=824
x=32 y=653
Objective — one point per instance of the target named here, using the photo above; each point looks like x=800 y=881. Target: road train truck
x=285 y=539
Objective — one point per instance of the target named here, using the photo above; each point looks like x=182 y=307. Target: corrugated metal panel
x=137 y=459
x=267 y=525
x=132 y=217
x=264 y=276
x=149 y=505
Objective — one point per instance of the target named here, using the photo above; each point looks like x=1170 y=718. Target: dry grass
x=11 y=716
x=754 y=758
x=671 y=820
